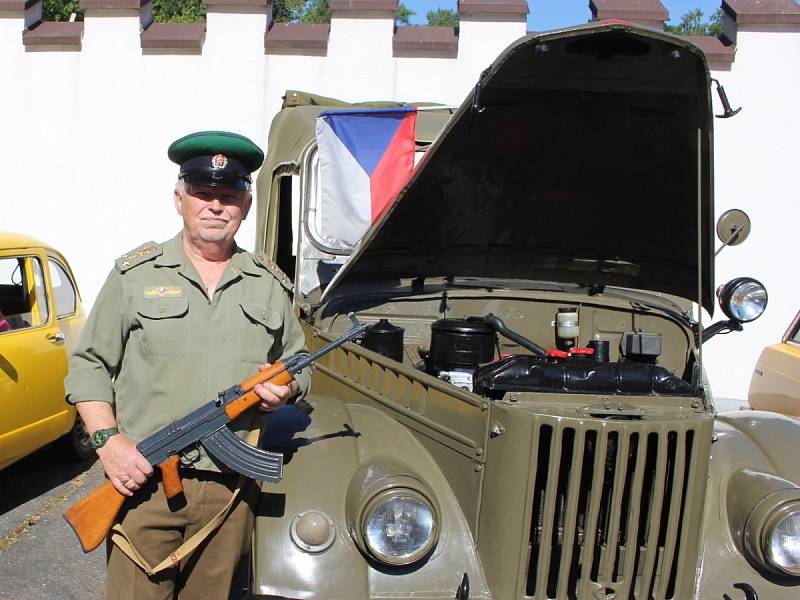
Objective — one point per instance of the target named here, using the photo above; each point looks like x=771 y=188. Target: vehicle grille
x=616 y=508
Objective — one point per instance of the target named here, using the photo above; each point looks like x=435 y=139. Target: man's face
x=212 y=214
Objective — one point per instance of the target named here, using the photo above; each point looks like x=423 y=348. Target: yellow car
x=40 y=317
x=775 y=384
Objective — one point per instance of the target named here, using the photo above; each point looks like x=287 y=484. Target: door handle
x=56 y=337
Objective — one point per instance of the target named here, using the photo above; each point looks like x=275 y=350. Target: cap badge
x=219 y=161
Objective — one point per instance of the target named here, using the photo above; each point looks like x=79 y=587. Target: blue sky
x=550 y=14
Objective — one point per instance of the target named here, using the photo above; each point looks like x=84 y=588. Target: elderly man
x=174 y=324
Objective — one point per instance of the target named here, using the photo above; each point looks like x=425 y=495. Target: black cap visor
x=200 y=170
x=215 y=178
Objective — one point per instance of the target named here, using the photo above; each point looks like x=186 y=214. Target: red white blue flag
x=365 y=158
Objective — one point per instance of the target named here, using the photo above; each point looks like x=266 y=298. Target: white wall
x=757 y=168
x=83 y=134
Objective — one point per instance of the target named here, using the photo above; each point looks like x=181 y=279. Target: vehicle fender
x=746 y=445
x=325 y=452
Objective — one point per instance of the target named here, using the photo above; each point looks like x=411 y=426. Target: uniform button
x=264 y=314
x=161 y=308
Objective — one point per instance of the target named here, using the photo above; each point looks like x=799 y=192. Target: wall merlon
x=644 y=12
x=343 y=6
x=296 y=38
x=16 y=5
x=476 y=8
x=113 y=4
x=174 y=36
x=49 y=34
x=419 y=40
x=719 y=53
x=257 y=3
x=762 y=12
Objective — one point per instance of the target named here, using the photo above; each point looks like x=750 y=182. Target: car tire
x=75 y=444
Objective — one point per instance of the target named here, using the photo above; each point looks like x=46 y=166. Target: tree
x=287 y=11
x=404 y=14
x=442 y=17
x=60 y=10
x=316 y=11
x=692 y=24
x=179 y=11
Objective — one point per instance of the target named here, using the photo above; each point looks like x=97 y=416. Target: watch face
x=98 y=438
x=101 y=436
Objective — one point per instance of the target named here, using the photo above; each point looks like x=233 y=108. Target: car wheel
x=76 y=443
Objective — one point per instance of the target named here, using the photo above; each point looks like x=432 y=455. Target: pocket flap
x=263 y=314
x=163 y=308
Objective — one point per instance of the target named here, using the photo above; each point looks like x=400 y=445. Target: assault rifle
x=92 y=517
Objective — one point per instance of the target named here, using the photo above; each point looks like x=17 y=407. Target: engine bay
x=470 y=352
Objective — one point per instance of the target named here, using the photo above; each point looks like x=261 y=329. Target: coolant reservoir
x=567 y=329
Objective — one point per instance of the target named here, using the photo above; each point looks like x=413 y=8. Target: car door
x=33 y=359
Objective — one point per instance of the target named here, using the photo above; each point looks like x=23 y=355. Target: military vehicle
x=527 y=417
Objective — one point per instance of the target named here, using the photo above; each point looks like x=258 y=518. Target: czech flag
x=365 y=158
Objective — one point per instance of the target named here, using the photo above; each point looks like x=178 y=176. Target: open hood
x=582 y=155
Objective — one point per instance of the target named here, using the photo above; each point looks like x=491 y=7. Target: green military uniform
x=156 y=347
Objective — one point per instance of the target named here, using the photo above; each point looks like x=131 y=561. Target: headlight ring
x=772 y=536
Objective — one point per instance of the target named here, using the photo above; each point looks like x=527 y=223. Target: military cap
x=217 y=158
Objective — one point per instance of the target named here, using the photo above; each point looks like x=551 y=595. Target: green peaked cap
x=210 y=143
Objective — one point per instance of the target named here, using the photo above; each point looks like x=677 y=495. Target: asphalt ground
x=40 y=557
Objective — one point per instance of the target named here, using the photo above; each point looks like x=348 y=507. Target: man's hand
x=126 y=468
x=274 y=396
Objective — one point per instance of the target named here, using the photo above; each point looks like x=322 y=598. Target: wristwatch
x=99 y=438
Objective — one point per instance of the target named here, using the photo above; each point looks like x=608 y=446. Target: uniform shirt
x=156 y=347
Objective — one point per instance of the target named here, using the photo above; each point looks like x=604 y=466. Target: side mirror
x=743 y=300
x=733 y=228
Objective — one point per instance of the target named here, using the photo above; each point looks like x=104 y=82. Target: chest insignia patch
x=162 y=292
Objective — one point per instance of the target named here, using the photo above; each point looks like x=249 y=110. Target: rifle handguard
x=276 y=374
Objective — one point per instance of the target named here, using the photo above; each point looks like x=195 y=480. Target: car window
x=23 y=299
x=63 y=290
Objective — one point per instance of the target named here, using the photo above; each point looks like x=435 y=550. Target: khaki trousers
x=157 y=527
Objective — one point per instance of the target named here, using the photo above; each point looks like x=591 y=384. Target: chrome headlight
x=399 y=526
x=772 y=534
x=782 y=541
x=742 y=299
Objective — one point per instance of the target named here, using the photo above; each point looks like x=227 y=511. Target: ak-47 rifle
x=93 y=517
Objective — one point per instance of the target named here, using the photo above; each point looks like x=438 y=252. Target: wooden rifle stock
x=92 y=517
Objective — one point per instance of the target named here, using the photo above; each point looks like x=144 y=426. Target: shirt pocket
x=261 y=325
x=165 y=325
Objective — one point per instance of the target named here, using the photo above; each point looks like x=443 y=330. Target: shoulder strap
x=142 y=254
x=267 y=264
x=124 y=543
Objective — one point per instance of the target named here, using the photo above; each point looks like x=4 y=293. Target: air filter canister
x=385 y=338
x=460 y=344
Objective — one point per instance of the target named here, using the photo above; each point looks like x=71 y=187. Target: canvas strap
x=124 y=543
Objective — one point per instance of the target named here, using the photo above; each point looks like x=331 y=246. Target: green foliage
x=442 y=17
x=60 y=10
x=316 y=11
x=404 y=15
x=692 y=24
x=179 y=11
x=287 y=11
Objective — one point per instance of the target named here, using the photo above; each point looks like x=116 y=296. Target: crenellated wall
x=89 y=108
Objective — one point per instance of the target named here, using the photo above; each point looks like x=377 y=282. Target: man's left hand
x=274 y=396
